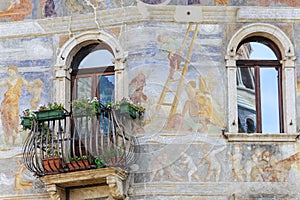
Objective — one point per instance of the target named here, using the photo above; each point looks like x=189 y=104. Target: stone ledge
x=57 y=184
x=214 y=189
x=259 y=137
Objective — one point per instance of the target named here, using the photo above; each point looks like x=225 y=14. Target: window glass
x=258 y=90
x=107 y=88
x=98 y=58
x=83 y=87
x=269 y=100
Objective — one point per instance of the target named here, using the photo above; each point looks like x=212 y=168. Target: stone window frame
x=286 y=49
x=62 y=82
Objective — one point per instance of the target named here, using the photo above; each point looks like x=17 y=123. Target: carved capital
x=62 y=72
x=116 y=186
x=56 y=193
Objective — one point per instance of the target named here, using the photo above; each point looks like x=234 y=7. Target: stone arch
x=265 y=30
x=73 y=45
x=288 y=58
x=69 y=50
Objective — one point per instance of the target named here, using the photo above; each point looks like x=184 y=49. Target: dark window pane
x=107 y=88
x=247 y=77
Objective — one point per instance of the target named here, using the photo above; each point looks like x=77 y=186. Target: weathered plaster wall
x=186 y=160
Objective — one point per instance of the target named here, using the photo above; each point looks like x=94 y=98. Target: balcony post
x=120 y=78
x=62 y=84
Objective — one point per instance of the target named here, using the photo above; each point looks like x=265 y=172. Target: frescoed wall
x=166 y=64
x=216 y=162
x=25 y=82
x=19 y=10
x=198 y=98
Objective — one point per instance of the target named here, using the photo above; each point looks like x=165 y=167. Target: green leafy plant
x=27 y=119
x=79 y=158
x=27 y=113
x=51 y=106
x=86 y=107
x=99 y=163
x=137 y=108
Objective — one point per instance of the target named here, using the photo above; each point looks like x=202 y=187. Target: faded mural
x=23 y=83
x=18 y=10
x=208 y=162
x=177 y=69
x=186 y=99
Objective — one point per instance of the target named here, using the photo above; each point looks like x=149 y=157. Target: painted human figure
x=236 y=160
x=174 y=48
x=49 y=8
x=35 y=89
x=136 y=87
x=191 y=105
x=187 y=161
x=254 y=160
x=20 y=183
x=163 y=168
x=9 y=109
x=214 y=166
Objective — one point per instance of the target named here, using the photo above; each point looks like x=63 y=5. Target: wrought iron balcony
x=72 y=143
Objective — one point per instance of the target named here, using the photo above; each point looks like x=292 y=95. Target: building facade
x=205 y=133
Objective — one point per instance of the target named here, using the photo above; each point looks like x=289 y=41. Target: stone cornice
x=112 y=18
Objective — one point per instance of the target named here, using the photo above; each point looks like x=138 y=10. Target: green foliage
x=51 y=106
x=79 y=158
x=86 y=107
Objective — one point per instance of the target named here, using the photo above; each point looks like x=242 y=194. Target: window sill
x=259 y=137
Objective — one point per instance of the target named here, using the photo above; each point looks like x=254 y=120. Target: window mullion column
x=258 y=99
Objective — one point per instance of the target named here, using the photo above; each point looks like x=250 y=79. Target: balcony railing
x=73 y=143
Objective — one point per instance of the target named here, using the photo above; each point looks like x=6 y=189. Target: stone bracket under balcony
x=105 y=182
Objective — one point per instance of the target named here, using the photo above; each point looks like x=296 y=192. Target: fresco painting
x=260 y=165
x=16 y=179
x=22 y=86
x=18 y=10
x=10 y=105
x=192 y=88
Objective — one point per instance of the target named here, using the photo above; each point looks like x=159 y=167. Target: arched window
x=259 y=88
x=93 y=73
x=256 y=83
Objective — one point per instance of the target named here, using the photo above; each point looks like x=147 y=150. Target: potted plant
x=125 y=106
x=50 y=111
x=47 y=142
x=100 y=163
x=85 y=107
x=52 y=164
x=79 y=163
x=27 y=119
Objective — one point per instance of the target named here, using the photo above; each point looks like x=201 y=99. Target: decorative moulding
x=260 y=137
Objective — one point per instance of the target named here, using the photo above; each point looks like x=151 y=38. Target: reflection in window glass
x=83 y=88
x=106 y=88
x=258 y=89
x=247 y=77
x=99 y=58
x=246 y=101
